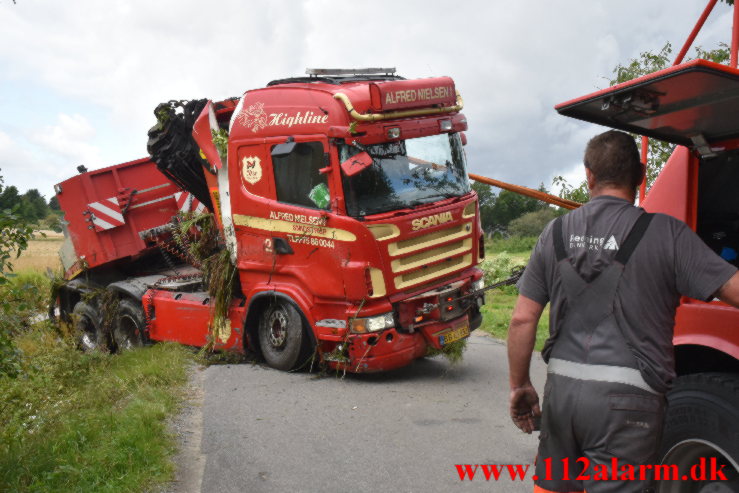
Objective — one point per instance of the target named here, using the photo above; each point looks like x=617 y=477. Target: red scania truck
x=343 y=201
x=691 y=104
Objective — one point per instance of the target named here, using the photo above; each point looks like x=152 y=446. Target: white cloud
x=70 y=140
x=513 y=61
x=48 y=155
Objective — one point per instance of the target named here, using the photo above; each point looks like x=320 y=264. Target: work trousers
x=596 y=435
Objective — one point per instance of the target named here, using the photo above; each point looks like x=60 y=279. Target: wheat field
x=42 y=253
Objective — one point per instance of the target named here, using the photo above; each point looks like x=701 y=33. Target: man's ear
x=643 y=172
x=590 y=177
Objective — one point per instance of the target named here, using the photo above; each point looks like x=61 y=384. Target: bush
x=499 y=268
x=20 y=304
x=14 y=236
x=532 y=224
x=52 y=221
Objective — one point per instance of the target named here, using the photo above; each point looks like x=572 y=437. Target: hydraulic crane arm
x=528 y=192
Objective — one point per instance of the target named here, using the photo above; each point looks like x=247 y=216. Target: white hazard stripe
x=599 y=373
x=186 y=202
x=101 y=225
x=106 y=214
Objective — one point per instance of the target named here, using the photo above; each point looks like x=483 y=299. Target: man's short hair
x=614 y=160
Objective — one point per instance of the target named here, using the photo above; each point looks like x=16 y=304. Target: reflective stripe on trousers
x=599 y=373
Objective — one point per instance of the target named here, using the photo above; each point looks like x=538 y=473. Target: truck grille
x=431 y=263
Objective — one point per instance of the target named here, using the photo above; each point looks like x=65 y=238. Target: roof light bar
x=350 y=71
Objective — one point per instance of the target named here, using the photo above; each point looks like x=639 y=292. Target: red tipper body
x=113 y=214
x=380 y=265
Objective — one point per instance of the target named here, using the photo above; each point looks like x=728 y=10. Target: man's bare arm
x=524 y=402
x=729 y=292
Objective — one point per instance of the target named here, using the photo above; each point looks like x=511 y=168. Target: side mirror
x=463 y=136
x=356 y=164
x=284 y=149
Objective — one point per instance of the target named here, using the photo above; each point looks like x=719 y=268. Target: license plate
x=455 y=334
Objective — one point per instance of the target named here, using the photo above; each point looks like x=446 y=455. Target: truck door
x=283 y=212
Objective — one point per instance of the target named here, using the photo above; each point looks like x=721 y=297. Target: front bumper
x=391 y=349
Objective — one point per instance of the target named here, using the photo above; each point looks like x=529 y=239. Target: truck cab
x=350 y=200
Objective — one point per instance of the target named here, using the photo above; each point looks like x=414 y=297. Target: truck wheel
x=282 y=339
x=130 y=325
x=86 y=322
x=701 y=424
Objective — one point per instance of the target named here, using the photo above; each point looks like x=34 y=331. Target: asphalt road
x=270 y=431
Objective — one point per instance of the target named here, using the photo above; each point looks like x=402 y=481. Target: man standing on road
x=613 y=275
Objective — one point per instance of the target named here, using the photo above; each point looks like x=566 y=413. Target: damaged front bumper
x=391 y=348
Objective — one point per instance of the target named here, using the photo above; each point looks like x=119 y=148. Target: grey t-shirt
x=670 y=261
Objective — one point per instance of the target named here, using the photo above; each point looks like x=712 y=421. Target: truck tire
x=282 y=337
x=130 y=327
x=86 y=323
x=702 y=421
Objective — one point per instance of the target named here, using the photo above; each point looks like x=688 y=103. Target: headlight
x=372 y=324
x=479 y=284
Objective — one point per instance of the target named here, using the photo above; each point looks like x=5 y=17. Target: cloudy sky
x=79 y=78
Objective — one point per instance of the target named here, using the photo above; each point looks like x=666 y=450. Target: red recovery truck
x=691 y=104
x=344 y=203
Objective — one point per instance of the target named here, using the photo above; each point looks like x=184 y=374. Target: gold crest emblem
x=251 y=169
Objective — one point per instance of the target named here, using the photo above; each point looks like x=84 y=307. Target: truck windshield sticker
x=251 y=169
x=320 y=196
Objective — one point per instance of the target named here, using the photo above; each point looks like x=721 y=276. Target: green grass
x=496 y=315
x=512 y=244
x=84 y=422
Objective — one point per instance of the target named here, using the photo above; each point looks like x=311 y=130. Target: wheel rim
x=88 y=341
x=689 y=453
x=277 y=324
x=129 y=330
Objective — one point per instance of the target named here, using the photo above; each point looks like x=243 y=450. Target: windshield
x=406 y=174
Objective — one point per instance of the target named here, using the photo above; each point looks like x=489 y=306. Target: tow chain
x=516 y=274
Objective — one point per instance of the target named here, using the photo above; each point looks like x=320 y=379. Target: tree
x=646 y=63
x=14 y=236
x=510 y=205
x=9 y=198
x=14 y=231
x=486 y=199
x=566 y=191
x=33 y=206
